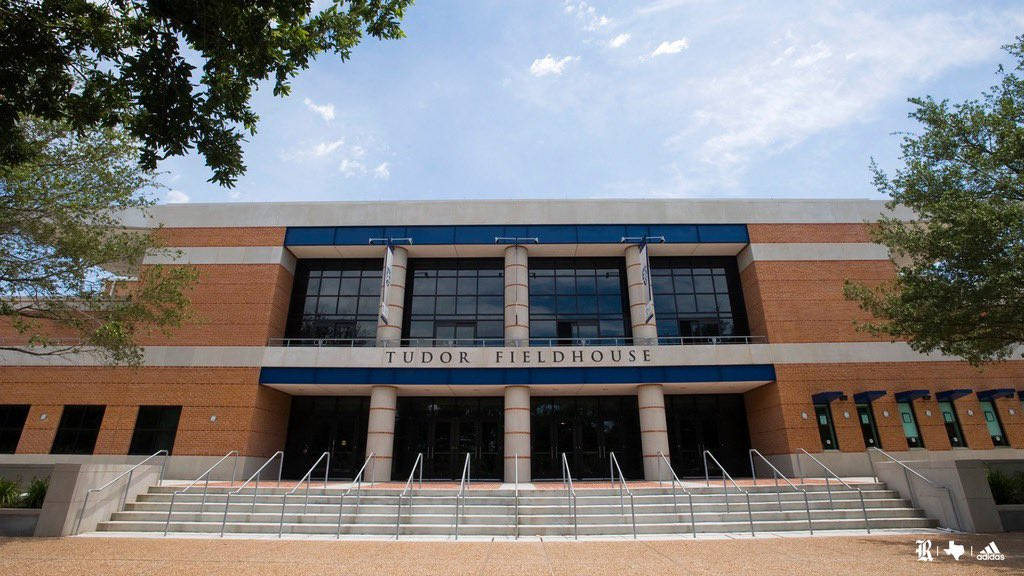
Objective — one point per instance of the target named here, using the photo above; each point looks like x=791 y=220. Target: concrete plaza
x=888 y=554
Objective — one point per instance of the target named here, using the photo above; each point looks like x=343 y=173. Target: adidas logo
x=991 y=552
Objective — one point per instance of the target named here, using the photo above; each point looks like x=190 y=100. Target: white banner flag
x=389 y=259
x=645 y=264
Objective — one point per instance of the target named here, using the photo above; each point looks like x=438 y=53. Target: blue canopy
x=827 y=397
x=910 y=395
x=950 y=395
x=997 y=393
x=869 y=396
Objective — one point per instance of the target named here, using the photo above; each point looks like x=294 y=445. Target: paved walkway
x=888 y=555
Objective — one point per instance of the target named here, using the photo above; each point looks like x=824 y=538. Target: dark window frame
x=829 y=426
x=559 y=288
x=954 y=431
x=456 y=292
x=75 y=432
x=12 y=425
x=912 y=441
x=148 y=438
x=323 y=288
x=1001 y=440
x=870 y=433
x=700 y=281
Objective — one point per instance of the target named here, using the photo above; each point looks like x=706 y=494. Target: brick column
x=644 y=332
x=380 y=434
x=517 y=432
x=391 y=333
x=653 y=430
x=517 y=297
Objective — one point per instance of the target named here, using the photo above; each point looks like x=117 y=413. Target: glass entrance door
x=319 y=424
x=444 y=430
x=586 y=429
x=714 y=422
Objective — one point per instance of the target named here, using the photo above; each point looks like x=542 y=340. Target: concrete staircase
x=430 y=512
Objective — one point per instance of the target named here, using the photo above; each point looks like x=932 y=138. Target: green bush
x=36 y=493
x=9 y=494
x=1006 y=488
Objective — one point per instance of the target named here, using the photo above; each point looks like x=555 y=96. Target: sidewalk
x=887 y=555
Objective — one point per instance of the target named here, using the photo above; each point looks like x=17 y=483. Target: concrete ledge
x=18 y=522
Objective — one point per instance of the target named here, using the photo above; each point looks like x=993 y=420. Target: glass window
x=578 y=301
x=455 y=302
x=336 y=300
x=697 y=299
x=867 y=426
x=826 y=429
x=79 y=426
x=12 y=421
x=952 y=423
x=992 y=422
x=909 y=421
x=155 y=429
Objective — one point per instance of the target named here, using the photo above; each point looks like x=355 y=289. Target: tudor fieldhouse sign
x=502 y=357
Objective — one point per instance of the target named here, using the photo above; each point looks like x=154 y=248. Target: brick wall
x=774 y=411
x=250 y=418
x=251 y=236
x=814 y=233
x=233 y=305
x=803 y=301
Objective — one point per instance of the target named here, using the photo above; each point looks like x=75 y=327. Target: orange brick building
x=516 y=331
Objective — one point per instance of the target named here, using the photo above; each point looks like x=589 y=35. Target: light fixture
x=803 y=415
x=885 y=413
x=42 y=416
x=213 y=418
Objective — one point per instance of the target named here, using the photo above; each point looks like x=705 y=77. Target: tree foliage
x=960 y=282
x=130 y=63
x=62 y=238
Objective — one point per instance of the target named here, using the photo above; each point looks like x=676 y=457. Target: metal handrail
x=461 y=494
x=256 y=489
x=613 y=464
x=124 y=496
x=357 y=484
x=676 y=480
x=907 y=470
x=570 y=496
x=725 y=489
x=516 y=463
x=778 y=474
x=863 y=507
x=306 y=478
x=408 y=484
x=372 y=342
x=206 y=486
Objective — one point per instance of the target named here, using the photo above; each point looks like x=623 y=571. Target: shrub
x=9 y=495
x=36 y=493
x=1006 y=488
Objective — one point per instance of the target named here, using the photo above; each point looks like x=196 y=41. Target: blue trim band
x=911 y=395
x=512 y=376
x=827 y=397
x=997 y=393
x=950 y=395
x=869 y=396
x=546 y=234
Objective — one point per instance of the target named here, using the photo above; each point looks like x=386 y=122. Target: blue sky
x=662 y=98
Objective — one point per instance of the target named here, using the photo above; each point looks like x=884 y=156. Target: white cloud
x=549 y=65
x=177 y=197
x=234 y=194
x=587 y=15
x=327 y=148
x=349 y=167
x=619 y=41
x=326 y=111
x=674 y=47
x=382 y=171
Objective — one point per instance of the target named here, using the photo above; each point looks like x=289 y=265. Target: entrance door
x=319 y=424
x=587 y=430
x=713 y=422
x=444 y=430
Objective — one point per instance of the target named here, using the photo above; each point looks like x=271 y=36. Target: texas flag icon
x=955 y=550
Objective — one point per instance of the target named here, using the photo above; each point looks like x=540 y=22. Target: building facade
x=516 y=332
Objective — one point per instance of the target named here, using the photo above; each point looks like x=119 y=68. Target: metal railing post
x=206 y=486
x=129 y=473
